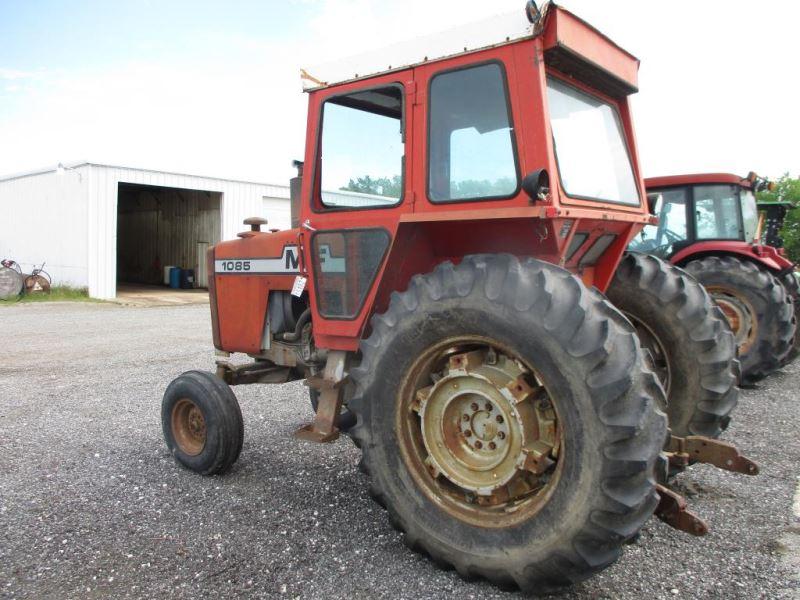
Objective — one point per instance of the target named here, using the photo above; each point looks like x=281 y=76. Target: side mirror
x=537 y=184
x=653 y=202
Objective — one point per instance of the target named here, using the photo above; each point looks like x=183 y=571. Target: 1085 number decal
x=235 y=266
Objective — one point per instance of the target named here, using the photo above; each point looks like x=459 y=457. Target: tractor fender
x=766 y=256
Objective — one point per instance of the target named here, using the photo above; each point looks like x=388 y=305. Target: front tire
x=692 y=348
x=756 y=306
x=526 y=341
x=202 y=423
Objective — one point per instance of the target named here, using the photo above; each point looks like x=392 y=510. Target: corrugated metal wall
x=43 y=217
x=239 y=200
x=71 y=222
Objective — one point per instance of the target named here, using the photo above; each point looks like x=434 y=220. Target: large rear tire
x=563 y=374
x=756 y=306
x=792 y=285
x=691 y=346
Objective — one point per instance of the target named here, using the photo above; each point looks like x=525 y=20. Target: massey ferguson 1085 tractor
x=709 y=225
x=456 y=221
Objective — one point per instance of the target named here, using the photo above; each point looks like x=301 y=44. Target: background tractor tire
x=202 y=423
x=750 y=293
x=691 y=344
x=792 y=285
x=588 y=360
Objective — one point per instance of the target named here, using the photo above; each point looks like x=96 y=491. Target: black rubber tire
x=346 y=418
x=774 y=315
x=223 y=421
x=792 y=286
x=699 y=345
x=587 y=354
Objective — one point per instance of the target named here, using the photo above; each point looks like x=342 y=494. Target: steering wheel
x=672 y=237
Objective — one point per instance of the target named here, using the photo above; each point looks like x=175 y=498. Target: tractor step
x=683 y=452
x=330 y=385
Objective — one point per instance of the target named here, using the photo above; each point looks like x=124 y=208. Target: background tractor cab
x=709 y=224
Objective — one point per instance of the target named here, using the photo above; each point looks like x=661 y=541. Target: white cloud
x=717 y=90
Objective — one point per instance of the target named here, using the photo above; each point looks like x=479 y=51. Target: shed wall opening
x=164 y=226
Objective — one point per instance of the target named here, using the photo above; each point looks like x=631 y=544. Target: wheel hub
x=739 y=314
x=188 y=427
x=486 y=423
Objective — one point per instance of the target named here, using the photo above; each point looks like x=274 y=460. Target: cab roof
x=695 y=178
x=571 y=45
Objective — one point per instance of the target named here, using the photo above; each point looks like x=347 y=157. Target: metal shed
x=96 y=225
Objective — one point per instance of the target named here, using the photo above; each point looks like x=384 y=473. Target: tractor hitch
x=683 y=452
x=673 y=510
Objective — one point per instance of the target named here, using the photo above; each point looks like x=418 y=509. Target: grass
x=58 y=293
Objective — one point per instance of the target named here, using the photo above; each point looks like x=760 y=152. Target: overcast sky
x=213 y=87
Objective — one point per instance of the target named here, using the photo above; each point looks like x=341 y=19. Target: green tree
x=379 y=186
x=787 y=190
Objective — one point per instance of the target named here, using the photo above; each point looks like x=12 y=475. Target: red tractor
x=709 y=225
x=440 y=293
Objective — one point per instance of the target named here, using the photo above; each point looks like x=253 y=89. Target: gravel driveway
x=92 y=505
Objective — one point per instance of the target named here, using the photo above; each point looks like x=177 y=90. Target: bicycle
x=38 y=281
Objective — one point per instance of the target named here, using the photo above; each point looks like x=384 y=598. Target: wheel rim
x=739 y=314
x=480 y=432
x=188 y=427
x=658 y=359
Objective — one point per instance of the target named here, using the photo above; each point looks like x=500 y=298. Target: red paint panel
x=765 y=255
x=566 y=30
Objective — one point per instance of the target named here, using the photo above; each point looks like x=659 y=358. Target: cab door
x=357 y=189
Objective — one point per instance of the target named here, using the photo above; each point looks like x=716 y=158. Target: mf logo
x=288 y=263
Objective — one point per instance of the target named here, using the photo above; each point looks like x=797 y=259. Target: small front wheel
x=202 y=423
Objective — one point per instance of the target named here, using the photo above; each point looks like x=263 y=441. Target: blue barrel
x=187 y=279
x=175 y=277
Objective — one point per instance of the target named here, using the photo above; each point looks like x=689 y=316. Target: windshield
x=749 y=214
x=590 y=146
x=670 y=208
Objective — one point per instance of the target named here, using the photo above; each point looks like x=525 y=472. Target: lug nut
x=488 y=406
x=478 y=444
x=499 y=418
x=467 y=433
x=501 y=435
x=492 y=445
x=465 y=417
x=474 y=406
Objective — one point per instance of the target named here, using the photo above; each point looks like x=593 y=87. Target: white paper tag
x=299 y=286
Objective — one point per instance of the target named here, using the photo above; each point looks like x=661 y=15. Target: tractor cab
x=719 y=208
x=515 y=136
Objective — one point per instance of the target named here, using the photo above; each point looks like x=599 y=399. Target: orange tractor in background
x=709 y=225
x=455 y=223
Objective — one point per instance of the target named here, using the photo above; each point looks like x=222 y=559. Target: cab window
x=670 y=208
x=471 y=150
x=361 y=151
x=716 y=212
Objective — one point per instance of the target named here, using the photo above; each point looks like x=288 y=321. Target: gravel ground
x=91 y=503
